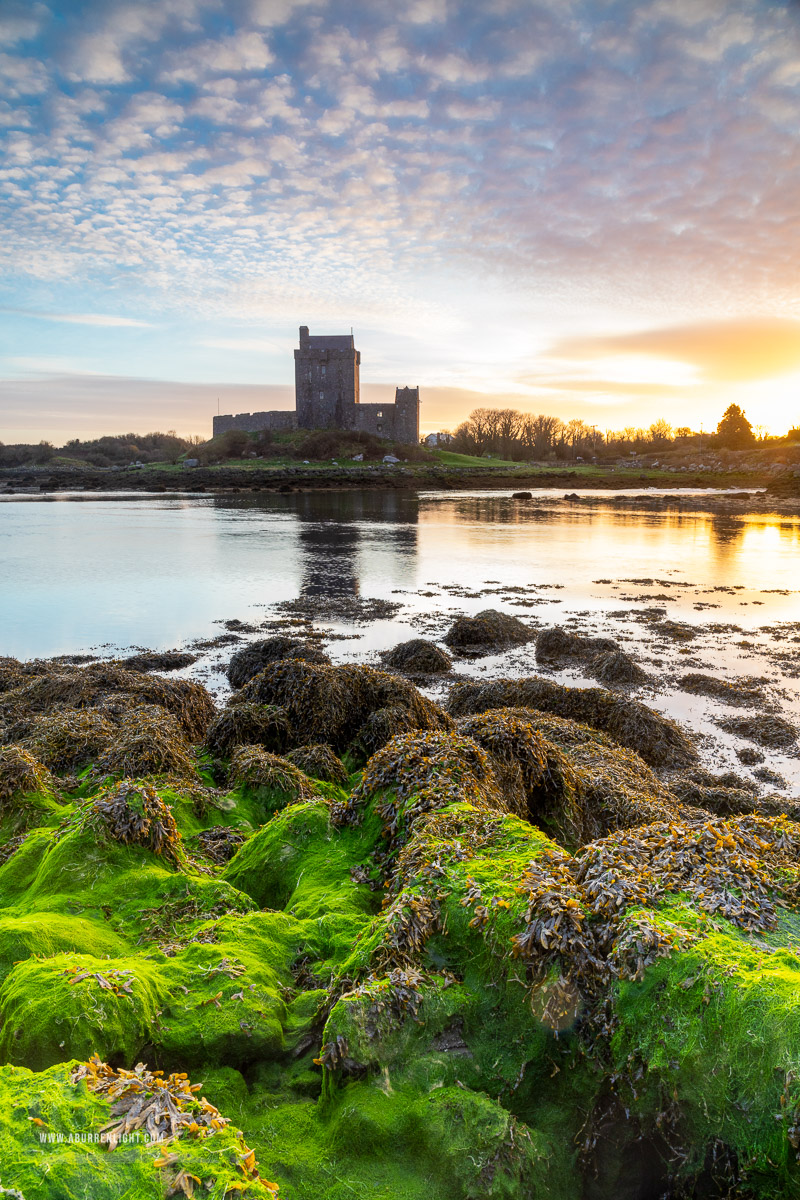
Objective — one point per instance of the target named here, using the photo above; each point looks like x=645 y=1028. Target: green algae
x=50 y=1146
x=300 y=861
x=75 y=1005
x=718 y=1026
x=360 y=987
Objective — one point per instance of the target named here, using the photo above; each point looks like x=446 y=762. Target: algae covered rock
x=253 y=657
x=418 y=657
x=327 y=704
x=73 y=1005
x=84 y=1129
x=512 y=962
x=488 y=631
x=659 y=740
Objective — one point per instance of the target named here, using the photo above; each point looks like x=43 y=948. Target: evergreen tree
x=734 y=431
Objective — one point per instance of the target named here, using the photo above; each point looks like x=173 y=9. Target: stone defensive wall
x=276 y=421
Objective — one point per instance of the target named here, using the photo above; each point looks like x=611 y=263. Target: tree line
x=112 y=450
x=509 y=434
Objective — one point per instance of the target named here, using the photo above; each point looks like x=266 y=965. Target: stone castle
x=328 y=396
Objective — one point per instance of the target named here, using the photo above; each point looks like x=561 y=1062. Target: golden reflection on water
x=754 y=554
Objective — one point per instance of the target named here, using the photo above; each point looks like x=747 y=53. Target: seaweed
x=220 y=843
x=421 y=988
x=262 y=772
x=134 y=814
x=378 y=730
x=21 y=775
x=158 y=660
x=739 y=692
x=557 y=645
x=112 y=688
x=148 y=741
x=726 y=795
x=615 y=668
x=418 y=657
x=487 y=631
x=320 y=762
x=659 y=741
x=604 y=787
x=328 y=704
x=416 y=773
x=776 y=733
x=537 y=779
x=69 y=739
x=253 y=657
x=248 y=723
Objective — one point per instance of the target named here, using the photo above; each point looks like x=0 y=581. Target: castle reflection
x=339 y=535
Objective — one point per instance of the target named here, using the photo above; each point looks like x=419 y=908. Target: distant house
x=328 y=396
x=438 y=439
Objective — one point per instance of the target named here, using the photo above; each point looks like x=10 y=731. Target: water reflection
x=339 y=533
x=155 y=572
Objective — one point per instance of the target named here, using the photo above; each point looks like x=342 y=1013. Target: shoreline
x=759 y=491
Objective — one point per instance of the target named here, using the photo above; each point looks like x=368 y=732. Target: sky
x=582 y=207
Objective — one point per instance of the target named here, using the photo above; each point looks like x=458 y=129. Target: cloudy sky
x=583 y=207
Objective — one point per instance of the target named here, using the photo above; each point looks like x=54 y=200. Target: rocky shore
x=45 y=480
x=334 y=938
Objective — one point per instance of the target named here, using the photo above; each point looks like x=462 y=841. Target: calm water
x=107 y=575
x=80 y=573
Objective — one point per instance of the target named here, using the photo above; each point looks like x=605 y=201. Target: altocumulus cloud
x=542 y=177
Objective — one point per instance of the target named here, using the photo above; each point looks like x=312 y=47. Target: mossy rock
x=76 y=1005
x=717 y=1025
x=225 y=1003
x=300 y=861
x=50 y=1147
x=44 y=934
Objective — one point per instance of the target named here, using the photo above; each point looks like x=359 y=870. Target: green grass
x=449 y=458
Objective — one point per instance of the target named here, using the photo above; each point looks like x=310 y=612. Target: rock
x=418 y=657
x=489 y=630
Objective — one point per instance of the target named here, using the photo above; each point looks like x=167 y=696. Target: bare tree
x=508 y=427
x=660 y=433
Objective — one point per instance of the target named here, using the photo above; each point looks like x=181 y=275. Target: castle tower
x=406 y=415
x=326 y=381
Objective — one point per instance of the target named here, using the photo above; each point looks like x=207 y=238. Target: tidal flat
x=394 y=846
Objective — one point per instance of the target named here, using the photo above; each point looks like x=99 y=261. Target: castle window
x=322 y=395
x=379 y=415
x=323 y=370
x=380 y=428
